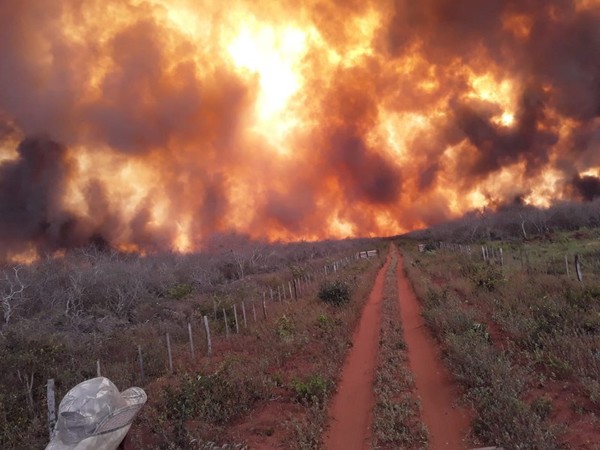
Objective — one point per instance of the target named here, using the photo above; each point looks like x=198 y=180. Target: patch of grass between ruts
x=396 y=417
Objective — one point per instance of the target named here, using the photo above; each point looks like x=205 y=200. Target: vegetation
x=515 y=222
x=335 y=293
x=62 y=315
x=520 y=334
x=396 y=417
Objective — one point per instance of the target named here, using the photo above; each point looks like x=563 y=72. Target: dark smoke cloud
x=588 y=187
x=31 y=188
x=133 y=89
x=556 y=62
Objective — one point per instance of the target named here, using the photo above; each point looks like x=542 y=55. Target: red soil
x=350 y=412
x=448 y=424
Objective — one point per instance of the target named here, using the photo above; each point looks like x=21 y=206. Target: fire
x=273 y=55
x=153 y=124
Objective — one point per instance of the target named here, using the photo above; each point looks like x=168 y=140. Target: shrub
x=485 y=276
x=285 y=327
x=335 y=293
x=215 y=398
x=312 y=389
x=180 y=291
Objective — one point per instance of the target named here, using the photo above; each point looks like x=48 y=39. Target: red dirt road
x=447 y=424
x=350 y=412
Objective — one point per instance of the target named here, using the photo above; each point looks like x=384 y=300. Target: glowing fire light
x=153 y=124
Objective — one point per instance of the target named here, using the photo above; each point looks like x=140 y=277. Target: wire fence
x=201 y=333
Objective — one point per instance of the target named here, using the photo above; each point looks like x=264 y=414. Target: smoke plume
x=153 y=124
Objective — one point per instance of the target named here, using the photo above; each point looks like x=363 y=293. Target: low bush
x=216 y=398
x=180 y=291
x=335 y=293
x=312 y=389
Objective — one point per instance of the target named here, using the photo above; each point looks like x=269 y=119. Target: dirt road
x=350 y=412
x=351 y=407
x=446 y=423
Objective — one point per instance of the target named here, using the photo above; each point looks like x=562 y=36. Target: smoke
x=588 y=187
x=153 y=125
x=30 y=195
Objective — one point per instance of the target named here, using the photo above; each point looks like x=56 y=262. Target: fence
x=239 y=316
x=568 y=264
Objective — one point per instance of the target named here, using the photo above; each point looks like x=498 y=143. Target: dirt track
x=446 y=423
x=351 y=407
x=350 y=412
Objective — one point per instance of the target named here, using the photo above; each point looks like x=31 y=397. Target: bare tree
x=12 y=293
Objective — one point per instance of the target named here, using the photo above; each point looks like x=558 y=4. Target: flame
x=287 y=121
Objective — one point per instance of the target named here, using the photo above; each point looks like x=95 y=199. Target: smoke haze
x=151 y=124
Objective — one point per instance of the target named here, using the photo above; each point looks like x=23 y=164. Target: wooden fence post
x=237 y=325
x=191 y=341
x=98 y=372
x=51 y=406
x=141 y=361
x=244 y=314
x=567 y=266
x=578 y=269
x=291 y=293
x=208 y=341
x=264 y=309
x=169 y=354
x=254 y=310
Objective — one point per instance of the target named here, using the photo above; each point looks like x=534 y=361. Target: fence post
x=191 y=340
x=169 y=354
x=244 y=314
x=578 y=269
x=237 y=325
x=208 y=341
x=51 y=406
x=98 y=372
x=141 y=360
x=265 y=309
x=279 y=293
x=567 y=266
x=291 y=293
x=254 y=310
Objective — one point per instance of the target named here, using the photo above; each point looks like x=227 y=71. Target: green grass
x=396 y=416
x=507 y=329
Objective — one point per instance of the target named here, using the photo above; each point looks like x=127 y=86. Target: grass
x=290 y=359
x=510 y=331
x=91 y=305
x=396 y=416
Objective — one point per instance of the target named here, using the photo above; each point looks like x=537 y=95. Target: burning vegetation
x=152 y=125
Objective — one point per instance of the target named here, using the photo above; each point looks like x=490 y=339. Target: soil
x=447 y=423
x=350 y=411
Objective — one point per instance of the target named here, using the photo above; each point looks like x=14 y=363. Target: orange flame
x=299 y=120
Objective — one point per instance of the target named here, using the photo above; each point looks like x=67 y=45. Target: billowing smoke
x=153 y=124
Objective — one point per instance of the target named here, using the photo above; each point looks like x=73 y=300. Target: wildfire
x=152 y=124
